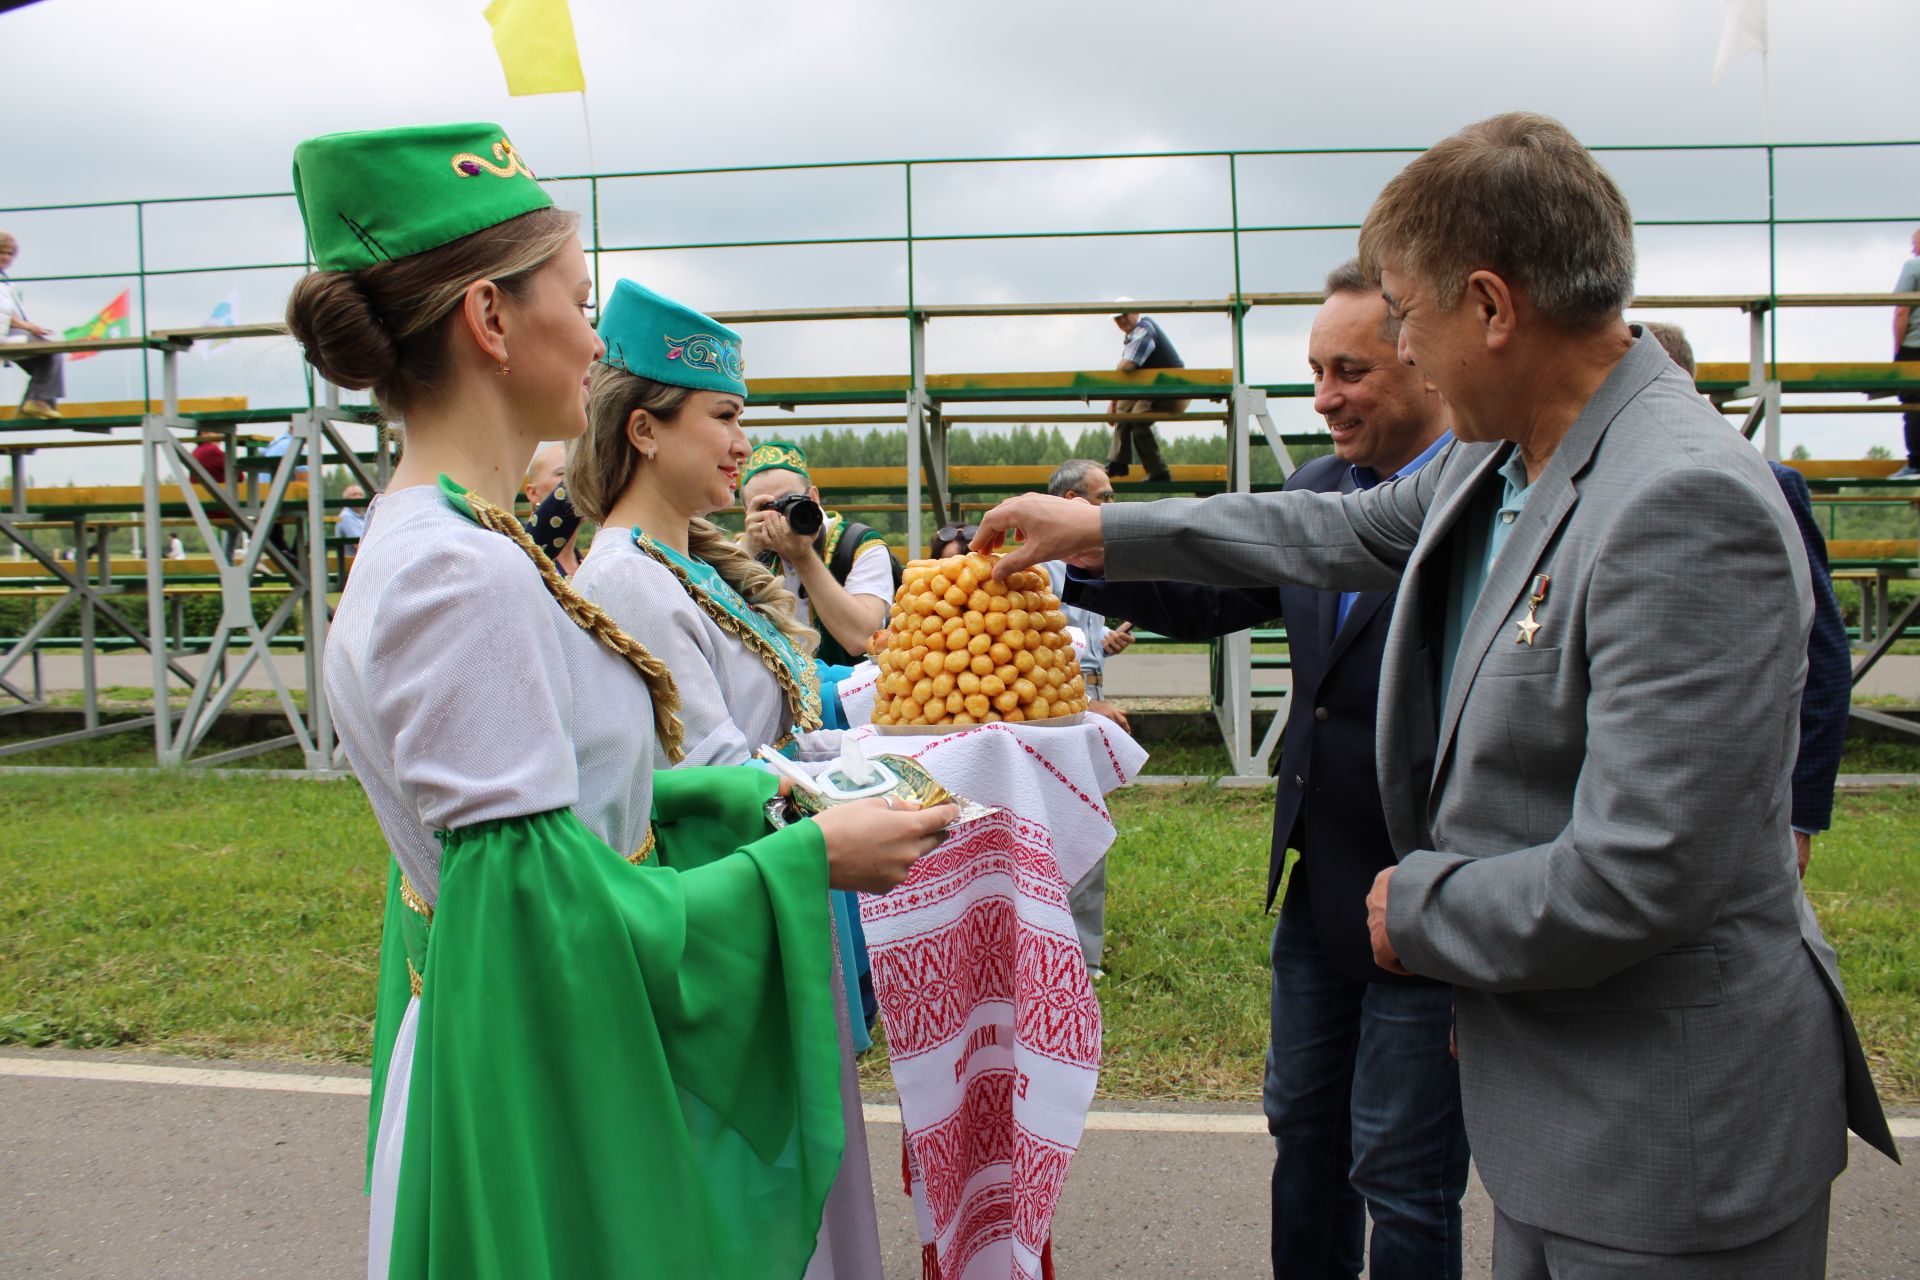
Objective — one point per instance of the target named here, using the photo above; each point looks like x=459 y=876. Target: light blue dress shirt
x=1364 y=478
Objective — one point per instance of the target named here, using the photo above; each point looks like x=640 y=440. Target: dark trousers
x=46 y=376
x=1912 y=416
x=1129 y=437
x=1363 y=1101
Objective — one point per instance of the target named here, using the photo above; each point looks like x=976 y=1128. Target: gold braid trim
x=594 y=620
x=411 y=896
x=645 y=850
x=803 y=695
x=414 y=981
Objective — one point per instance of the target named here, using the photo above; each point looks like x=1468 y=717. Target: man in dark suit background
x=1362 y=1094
x=1829 y=689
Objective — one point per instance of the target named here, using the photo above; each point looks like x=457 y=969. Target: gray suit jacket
x=1655 y=1052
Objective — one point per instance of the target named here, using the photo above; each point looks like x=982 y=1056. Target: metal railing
x=1237 y=222
x=920 y=402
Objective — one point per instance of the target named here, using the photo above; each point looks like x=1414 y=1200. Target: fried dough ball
x=961 y=649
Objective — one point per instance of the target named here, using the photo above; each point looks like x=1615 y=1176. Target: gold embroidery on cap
x=468 y=165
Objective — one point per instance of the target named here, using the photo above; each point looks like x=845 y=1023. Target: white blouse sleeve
x=465 y=681
x=650 y=605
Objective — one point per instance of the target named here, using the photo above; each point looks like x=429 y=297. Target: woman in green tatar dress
x=601 y=1065
x=662 y=452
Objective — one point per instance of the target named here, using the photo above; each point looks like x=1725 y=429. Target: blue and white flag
x=225 y=315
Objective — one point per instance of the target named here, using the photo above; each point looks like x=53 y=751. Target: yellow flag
x=535 y=41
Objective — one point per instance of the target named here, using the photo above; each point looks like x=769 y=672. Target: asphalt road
x=116 y=1180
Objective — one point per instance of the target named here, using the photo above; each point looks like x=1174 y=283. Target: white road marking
x=205 y=1077
x=1230 y=1123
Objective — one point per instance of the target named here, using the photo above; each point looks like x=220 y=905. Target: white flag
x=1745 y=32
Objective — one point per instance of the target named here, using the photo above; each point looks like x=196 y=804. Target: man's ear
x=1492 y=301
x=813 y=491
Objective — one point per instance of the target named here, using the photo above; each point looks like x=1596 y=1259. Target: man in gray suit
x=1587 y=729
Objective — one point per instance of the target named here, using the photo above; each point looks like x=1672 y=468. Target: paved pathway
x=109 y=1179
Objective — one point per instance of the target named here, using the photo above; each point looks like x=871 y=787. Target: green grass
x=208 y=916
x=1864 y=881
x=239 y=917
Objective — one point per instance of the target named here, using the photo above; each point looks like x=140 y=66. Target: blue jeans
x=1363 y=1101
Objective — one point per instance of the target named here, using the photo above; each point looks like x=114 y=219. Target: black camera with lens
x=802 y=514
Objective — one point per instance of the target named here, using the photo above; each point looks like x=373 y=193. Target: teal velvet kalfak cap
x=655 y=337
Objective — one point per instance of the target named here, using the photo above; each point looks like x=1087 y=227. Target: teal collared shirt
x=1479 y=542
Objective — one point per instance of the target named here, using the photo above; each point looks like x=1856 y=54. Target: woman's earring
x=504 y=368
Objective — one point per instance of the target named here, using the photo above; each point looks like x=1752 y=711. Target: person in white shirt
x=841 y=570
x=46 y=374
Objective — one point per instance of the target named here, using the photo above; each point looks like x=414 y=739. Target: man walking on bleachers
x=1906 y=344
x=1362 y=1094
x=1146 y=346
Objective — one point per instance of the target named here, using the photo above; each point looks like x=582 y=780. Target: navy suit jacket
x=1327 y=802
x=1829 y=689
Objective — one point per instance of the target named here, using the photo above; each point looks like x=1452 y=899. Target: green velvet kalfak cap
x=390 y=193
x=774 y=455
x=658 y=338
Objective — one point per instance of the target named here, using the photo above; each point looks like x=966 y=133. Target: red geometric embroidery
x=1047 y=764
x=929 y=986
x=1056 y=1014
x=952 y=1153
x=1040 y=1173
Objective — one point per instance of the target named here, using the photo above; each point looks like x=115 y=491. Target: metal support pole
x=1239 y=312
x=89 y=681
x=1765 y=391
x=140 y=248
x=916 y=426
x=320 y=722
x=153 y=435
x=1234 y=709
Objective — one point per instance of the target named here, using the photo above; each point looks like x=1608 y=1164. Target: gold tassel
x=594 y=620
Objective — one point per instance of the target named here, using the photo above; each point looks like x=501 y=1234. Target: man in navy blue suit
x=1829 y=688
x=1362 y=1092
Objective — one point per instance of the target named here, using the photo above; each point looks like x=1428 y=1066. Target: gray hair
x=1516 y=195
x=1674 y=339
x=1349 y=278
x=1071 y=475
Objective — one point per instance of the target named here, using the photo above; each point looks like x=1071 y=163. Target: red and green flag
x=113 y=321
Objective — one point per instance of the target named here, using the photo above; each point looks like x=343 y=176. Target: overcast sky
x=137 y=99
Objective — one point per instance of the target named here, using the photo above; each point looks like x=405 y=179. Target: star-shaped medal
x=1536 y=596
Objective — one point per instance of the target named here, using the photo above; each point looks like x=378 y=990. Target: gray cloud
x=209 y=97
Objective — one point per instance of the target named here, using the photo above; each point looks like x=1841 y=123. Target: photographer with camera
x=842 y=571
